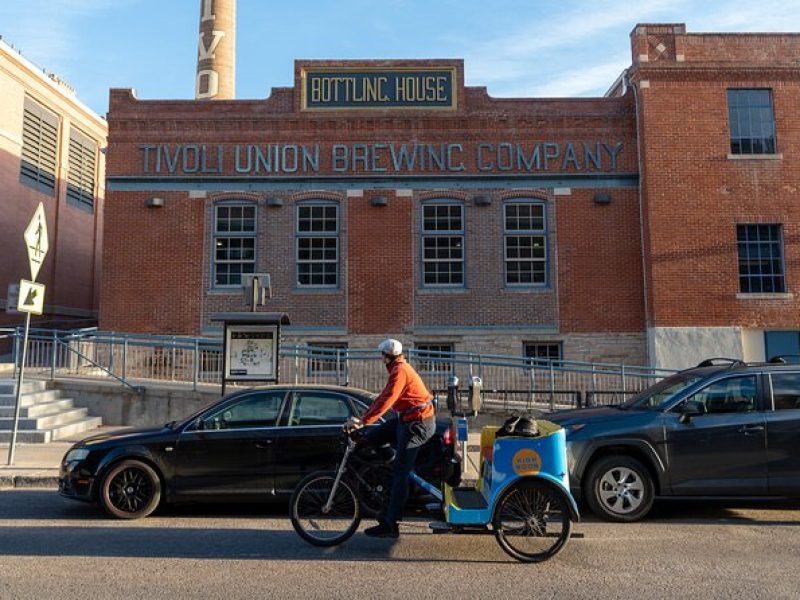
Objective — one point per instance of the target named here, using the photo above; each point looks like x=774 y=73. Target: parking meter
x=452 y=393
x=474 y=399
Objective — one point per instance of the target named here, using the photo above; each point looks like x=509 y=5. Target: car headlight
x=76 y=455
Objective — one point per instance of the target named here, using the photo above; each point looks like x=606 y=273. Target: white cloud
x=512 y=56
x=46 y=31
x=593 y=80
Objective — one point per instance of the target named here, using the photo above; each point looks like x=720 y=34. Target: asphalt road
x=59 y=549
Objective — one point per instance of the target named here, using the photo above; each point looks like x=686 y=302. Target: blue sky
x=515 y=48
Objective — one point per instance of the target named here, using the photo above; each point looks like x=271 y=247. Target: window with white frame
x=434 y=357
x=234 y=243
x=39 y=147
x=81 y=177
x=525 y=243
x=317 y=245
x=443 y=244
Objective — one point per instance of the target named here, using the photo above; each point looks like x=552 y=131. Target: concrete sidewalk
x=37 y=465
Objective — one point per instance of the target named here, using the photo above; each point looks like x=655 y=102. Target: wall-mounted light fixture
x=275 y=202
x=379 y=201
x=154 y=203
x=602 y=198
x=482 y=200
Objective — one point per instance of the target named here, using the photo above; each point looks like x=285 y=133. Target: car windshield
x=656 y=395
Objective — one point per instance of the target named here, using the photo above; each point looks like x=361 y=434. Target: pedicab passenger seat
x=474 y=505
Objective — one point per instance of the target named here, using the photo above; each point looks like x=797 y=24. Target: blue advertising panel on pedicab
x=506 y=460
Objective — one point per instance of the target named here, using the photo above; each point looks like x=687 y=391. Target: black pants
x=407 y=439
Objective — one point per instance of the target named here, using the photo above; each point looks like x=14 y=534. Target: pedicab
x=521 y=495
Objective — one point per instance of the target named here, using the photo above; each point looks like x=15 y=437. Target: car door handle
x=751 y=429
x=263 y=444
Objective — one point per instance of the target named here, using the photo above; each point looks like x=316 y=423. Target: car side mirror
x=691 y=408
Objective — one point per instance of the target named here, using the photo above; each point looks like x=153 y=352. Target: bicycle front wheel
x=314 y=521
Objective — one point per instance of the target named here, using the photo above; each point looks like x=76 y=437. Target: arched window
x=443 y=243
x=525 y=242
x=317 y=256
x=234 y=241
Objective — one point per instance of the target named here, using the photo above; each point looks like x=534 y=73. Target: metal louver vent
x=39 y=148
x=82 y=169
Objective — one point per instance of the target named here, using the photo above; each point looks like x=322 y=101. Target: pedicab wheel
x=316 y=525
x=373 y=488
x=131 y=489
x=532 y=521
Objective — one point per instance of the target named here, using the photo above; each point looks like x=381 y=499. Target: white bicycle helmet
x=391 y=347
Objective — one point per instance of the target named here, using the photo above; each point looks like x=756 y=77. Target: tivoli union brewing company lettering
x=377 y=158
x=340 y=89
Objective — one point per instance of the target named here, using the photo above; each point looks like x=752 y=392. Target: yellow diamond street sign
x=37 y=243
x=31 y=297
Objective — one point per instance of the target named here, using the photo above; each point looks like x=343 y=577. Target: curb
x=28 y=481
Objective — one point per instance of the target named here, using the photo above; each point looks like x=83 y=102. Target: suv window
x=735 y=394
x=661 y=392
x=318 y=408
x=254 y=410
x=786 y=391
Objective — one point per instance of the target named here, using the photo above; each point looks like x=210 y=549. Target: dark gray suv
x=730 y=429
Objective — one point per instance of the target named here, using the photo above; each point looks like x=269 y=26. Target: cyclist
x=415 y=424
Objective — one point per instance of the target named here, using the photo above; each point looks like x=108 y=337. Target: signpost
x=30 y=301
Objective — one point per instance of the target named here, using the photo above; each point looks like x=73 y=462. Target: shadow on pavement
x=715 y=511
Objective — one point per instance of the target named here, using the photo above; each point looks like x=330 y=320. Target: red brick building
x=51 y=151
x=658 y=223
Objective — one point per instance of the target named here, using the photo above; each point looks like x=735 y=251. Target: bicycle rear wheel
x=532 y=521
x=310 y=519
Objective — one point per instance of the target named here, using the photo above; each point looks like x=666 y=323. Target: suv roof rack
x=780 y=359
x=721 y=361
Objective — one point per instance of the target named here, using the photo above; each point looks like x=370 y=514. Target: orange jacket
x=403 y=392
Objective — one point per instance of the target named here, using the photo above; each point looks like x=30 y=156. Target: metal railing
x=134 y=359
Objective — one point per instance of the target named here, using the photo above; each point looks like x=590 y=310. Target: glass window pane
x=786 y=389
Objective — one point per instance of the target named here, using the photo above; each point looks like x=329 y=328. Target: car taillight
x=449 y=437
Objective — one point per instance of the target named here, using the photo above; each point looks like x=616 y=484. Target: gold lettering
x=315 y=89
x=430 y=88
x=370 y=89
x=382 y=80
x=440 y=89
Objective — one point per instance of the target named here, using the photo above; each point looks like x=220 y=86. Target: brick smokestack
x=216 y=51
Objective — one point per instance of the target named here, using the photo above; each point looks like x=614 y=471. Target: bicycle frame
x=413 y=477
x=351 y=445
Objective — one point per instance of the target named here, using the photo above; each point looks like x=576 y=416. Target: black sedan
x=253 y=445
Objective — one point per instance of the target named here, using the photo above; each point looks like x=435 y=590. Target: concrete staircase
x=44 y=414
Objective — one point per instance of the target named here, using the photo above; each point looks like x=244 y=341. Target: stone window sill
x=755 y=156
x=778 y=296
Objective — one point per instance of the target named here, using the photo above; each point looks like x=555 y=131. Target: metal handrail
x=130 y=356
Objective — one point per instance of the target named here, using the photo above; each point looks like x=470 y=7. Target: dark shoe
x=383 y=531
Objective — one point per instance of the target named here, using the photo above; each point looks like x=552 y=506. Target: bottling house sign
x=365 y=88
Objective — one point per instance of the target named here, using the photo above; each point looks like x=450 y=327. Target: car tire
x=130 y=489
x=619 y=488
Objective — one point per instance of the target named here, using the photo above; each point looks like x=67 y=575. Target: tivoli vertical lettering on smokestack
x=216 y=50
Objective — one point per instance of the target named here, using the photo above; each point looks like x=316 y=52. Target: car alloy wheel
x=130 y=490
x=619 y=488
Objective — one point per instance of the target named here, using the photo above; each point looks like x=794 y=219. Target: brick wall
x=695 y=194
x=71 y=270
